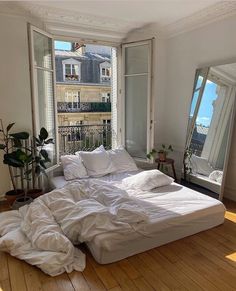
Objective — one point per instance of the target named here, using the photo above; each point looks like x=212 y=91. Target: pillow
x=98 y=162
x=147 y=180
x=122 y=161
x=201 y=166
x=216 y=176
x=73 y=167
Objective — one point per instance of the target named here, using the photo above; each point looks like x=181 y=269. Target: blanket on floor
x=44 y=233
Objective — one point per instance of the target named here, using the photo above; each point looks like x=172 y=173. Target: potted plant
x=29 y=158
x=162 y=152
x=8 y=143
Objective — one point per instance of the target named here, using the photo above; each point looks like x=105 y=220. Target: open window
x=137 y=117
x=43 y=90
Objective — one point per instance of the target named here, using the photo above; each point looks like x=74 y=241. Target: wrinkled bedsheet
x=44 y=233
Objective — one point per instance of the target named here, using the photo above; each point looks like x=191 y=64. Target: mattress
x=174 y=212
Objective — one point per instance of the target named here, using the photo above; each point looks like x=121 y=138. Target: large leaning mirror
x=210 y=127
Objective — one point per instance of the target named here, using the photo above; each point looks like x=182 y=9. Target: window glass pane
x=103 y=71
x=68 y=69
x=76 y=70
x=42 y=51
x=136 y=60
x=46 y=109
x=136 y=115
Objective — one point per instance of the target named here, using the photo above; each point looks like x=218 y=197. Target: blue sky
x=206 y=109
x=62 y=45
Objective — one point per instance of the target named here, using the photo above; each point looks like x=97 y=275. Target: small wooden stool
x=166 y=163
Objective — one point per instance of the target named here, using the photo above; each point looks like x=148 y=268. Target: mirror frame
x=231 y=126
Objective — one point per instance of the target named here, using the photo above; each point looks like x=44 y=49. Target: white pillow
x=216 y=176
x=122 y=161
x=98 y=162
x=147 y=180
x=73 y=167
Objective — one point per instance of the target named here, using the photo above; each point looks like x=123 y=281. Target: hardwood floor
x=205 y=261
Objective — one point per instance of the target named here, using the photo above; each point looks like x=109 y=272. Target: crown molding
x=211 y=14
x=65 y=22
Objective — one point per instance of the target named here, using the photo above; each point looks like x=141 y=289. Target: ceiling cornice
x=211 y=14
x=65 y=22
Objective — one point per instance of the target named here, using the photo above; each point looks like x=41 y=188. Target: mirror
x=210 y=127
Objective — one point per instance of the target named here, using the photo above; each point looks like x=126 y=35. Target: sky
x=206 y=109
x=62 y=45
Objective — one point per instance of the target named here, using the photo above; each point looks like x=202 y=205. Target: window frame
x=34 y=86
x=150 y=100
x=71 y=62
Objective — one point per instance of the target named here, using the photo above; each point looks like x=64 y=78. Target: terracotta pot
x=12 y=195
x=21 y=201
x=162 y=157
x=34 y=193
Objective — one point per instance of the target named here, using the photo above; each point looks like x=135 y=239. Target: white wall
x=210 y=45
x=175 y=62
x=15 y=100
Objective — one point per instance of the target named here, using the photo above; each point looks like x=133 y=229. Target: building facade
x=83 y=91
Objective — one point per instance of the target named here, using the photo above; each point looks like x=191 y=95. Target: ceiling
x=142 y=12
x=114 y=19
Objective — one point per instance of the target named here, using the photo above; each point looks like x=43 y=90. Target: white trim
x=150 y=107
x=71 y=61
x=34 y=85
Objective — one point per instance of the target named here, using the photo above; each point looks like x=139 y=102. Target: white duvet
x=44 y=233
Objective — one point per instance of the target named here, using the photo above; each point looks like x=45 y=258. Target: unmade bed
x=174 y=212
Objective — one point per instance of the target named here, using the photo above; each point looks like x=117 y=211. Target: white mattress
x=174 y=212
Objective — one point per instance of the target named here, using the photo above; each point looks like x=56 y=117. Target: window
x=137 y=117
x=106 y=97
x=105 y=71
x=43 y=92
x=71 y=70
x=72 y=99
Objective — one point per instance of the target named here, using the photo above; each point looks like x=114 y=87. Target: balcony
x=83 y=138
x=64 y=107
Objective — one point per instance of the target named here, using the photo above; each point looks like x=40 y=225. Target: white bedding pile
x=43 y=233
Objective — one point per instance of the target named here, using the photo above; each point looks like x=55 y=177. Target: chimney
x=77 y=47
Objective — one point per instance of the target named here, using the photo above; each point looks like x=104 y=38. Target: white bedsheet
x=42 y=233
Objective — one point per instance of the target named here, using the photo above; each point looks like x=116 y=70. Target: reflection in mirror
x=209 y=125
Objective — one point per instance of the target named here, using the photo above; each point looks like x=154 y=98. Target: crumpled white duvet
x=44 y=232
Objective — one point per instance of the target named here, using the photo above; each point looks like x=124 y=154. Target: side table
x=167 y=162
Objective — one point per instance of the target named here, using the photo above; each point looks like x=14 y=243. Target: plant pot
x=21 y=201
x=12 y=195
x=162 y=157
x=34 y=193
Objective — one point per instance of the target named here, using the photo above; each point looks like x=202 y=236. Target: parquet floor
x=205 y=261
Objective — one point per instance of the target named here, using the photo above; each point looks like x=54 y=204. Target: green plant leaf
x=10 y=126
x=42 y=164
x=43 y=133
x=149 y=156
x=44 y=153
x=2 y=146
x=48 y=141
x=20 y=135
x=11 y=160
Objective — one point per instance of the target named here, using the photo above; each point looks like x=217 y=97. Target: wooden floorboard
x=204 y=261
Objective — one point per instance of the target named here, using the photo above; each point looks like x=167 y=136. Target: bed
x=105 y=201
x=175 y=212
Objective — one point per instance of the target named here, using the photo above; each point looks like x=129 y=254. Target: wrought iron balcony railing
x=83 y=137
x=63 y=107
